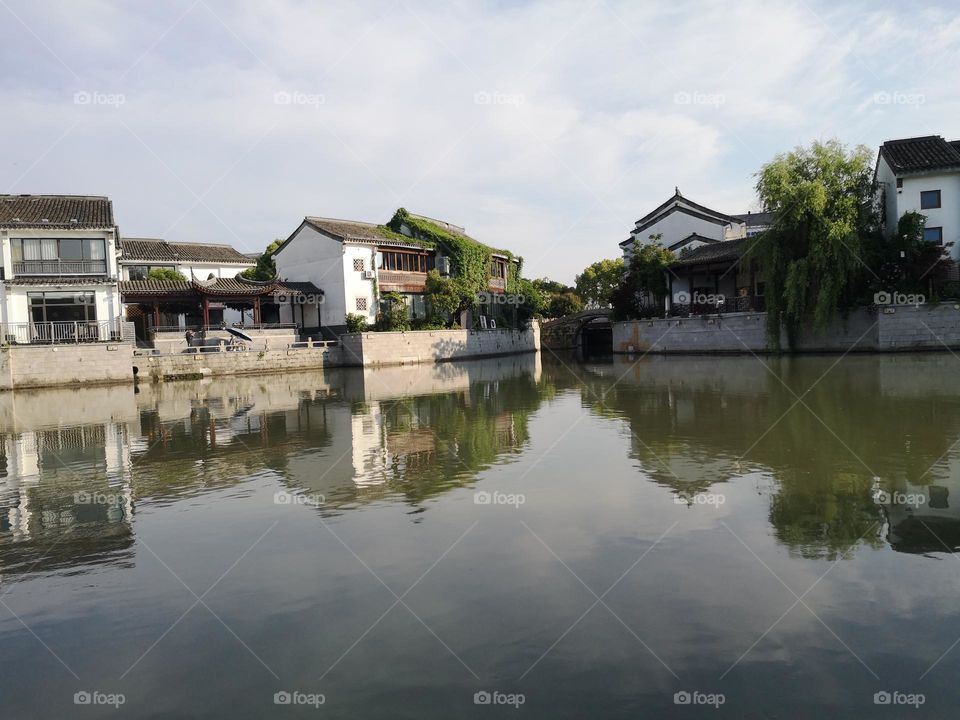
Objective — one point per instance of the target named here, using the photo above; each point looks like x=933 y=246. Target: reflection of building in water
x=924 y=518
x=73 y=480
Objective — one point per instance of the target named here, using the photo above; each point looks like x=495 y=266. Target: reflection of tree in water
x=439 y=441
x=692 y=419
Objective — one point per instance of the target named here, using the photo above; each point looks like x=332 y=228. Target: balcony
x=60 y=267
x=498 y=284
x=401 y=281
x=50 y=333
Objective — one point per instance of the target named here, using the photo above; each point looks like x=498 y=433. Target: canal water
x=518 y=537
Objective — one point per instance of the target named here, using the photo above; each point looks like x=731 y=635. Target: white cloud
x=595 y=139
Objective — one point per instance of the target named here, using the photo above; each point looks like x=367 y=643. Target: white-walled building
x=356 y=262
x=922 y=174
x=204 y=261
x=684 y=225
x=59 y=274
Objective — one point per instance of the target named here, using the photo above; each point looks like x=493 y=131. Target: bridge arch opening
x=596 y=337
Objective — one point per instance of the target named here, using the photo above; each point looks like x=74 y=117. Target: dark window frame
x=929 y=193
x=939 y=238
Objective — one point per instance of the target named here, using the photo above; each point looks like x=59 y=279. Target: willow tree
x=823 y=208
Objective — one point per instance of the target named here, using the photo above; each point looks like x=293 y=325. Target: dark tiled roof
x=752 y=219
x=717 y=252
x=221 y=286
x=693 y=237
x=676 y=198
x=59 y=211
x=919 y=154
x=58 y=280
x=152 y=250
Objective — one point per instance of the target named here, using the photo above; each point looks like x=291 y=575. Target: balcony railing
x=749 y=303
x=60 y=267
x=402 y=280
x=498 y=283
x=49 y=333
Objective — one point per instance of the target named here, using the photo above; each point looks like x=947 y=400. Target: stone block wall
x=34 y=366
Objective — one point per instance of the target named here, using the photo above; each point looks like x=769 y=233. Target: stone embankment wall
x=35 y=366
x=197 y=365
x=401 y=348
x=895 y=328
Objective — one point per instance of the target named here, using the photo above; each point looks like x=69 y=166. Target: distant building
x=59 y=269
x=922 y=174
x=684 y=225
x=204 y=261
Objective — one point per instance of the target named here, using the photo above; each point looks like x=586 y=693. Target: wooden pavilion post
x=206 y=312
x=156 y=314
x=256 y=310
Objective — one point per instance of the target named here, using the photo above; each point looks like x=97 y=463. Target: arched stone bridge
x=566 y=332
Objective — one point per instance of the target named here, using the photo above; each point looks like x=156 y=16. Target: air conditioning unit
x=369 y=274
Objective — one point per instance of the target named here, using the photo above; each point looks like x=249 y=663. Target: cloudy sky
x=547 y=127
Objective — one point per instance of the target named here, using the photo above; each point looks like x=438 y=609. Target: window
x=52 y=256
x=362 y=304
x=899 y=183
x=406 y=261
x=139 y=272
x=929 y=199
x=498 y=268
x=933 y=234
x=358 y=264
x=62 y=307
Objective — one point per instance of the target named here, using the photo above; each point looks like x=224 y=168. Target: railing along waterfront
x=750 y=303
x=48 y=333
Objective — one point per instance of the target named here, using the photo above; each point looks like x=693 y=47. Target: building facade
x=357 y=262
x=59 y=273
x=922 y=174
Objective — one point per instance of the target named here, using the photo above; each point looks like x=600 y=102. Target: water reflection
x=835 y=444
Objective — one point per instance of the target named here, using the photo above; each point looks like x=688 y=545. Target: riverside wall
x=898 y=328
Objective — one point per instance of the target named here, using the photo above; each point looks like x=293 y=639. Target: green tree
x=905 y=262
x=642 y=289
x=165 y=274
x=546 y=285
x=266 y=268
x=356 y=322
x=393 y=313
x=598 y=281
x=823 y=204
x=443 y=298
x=533 y=300
x=562 y=304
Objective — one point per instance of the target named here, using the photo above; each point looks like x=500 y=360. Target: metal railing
x=60 y=267
x=49 y=333
x=750 y=303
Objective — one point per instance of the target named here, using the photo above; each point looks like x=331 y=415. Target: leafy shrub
x=356 y=322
